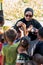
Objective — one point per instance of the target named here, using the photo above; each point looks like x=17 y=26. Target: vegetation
x=13 y=9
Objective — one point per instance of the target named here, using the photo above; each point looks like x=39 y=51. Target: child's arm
x=18 y=64
x=3 y=60
x=3 y=57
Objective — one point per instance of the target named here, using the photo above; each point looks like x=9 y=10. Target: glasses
x=28 y=15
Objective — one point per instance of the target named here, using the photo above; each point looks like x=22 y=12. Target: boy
x=38 y=52
x=9 y=51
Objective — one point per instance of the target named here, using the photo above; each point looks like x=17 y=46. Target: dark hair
x=30 y=63
x=41 y=32
x=1 y=38
x=24 y=42
x=28 y=9
x=10 y=34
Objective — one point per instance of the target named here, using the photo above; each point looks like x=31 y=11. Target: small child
x=9 y=51
x=22 y=56
x=38 y=52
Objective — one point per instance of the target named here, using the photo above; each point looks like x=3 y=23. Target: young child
x=38 y=52
x=9 y=51
x=22 y=56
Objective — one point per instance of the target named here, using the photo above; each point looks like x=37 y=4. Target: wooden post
x=1 y=13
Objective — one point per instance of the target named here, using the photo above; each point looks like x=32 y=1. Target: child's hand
x=22 y=33
x=23 y=25
x=30 y=28
x=19 y=23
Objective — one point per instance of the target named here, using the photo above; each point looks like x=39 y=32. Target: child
x=22 y=56
x=30 y=63
x=38 y=52
x=9 y=51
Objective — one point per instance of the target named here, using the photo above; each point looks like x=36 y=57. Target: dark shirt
x=39 y=48
x=22 y=58
x=33 y=22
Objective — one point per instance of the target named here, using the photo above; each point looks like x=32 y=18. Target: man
x=28 y=20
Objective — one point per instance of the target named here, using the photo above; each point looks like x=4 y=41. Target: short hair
x=11 y=34
x=30 y=62
x=28 y=9
x=41 y=32
x=25 y=42
x=1 y=38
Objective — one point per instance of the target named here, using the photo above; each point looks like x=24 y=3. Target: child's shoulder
x=15 y=44
x=24 y=55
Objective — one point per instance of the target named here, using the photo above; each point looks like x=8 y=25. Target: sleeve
x=20 y=59
x=36 y=49
x=3 y=51
x=38 y=25
x=15 y=26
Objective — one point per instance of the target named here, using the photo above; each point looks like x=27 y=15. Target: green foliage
x=25 y=1
x=13 y=11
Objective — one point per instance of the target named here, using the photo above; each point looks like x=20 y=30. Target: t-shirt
x=33 y=22
x=5 y=43
x=39 y=48
x=0 y=46
x=22 y=58
x=9 y=51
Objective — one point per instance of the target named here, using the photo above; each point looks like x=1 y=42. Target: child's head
x=1 y=38
x=40 y=33
x=24 y=44
x=10 y=35
x=30 y=63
